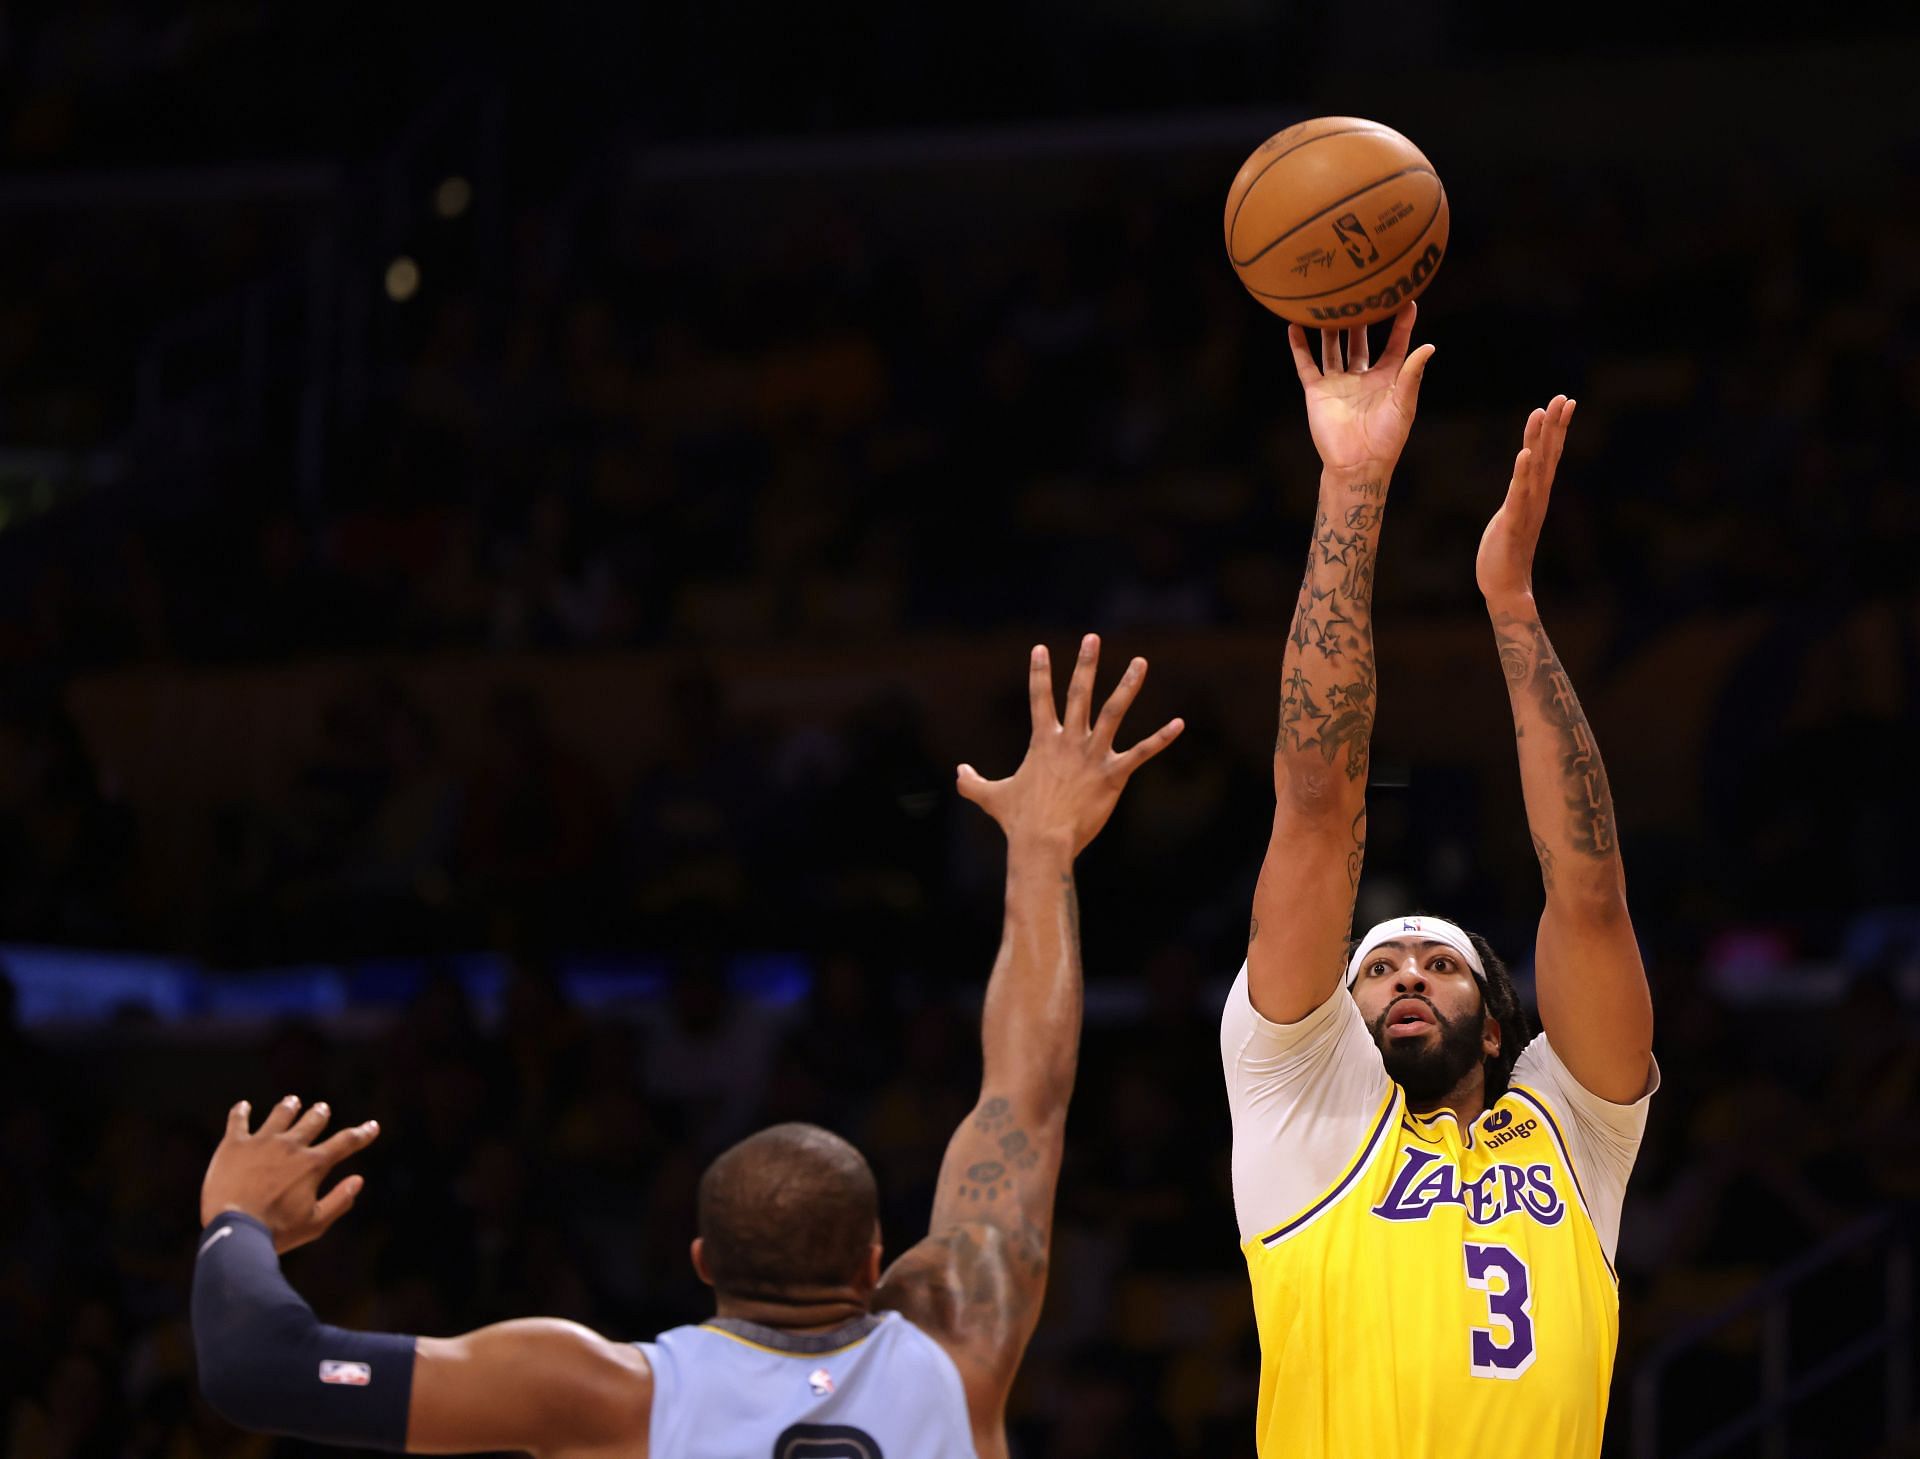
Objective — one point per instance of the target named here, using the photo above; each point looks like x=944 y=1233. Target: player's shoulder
x=1541 y=1079
x=608 y=1387
x=1538 y=1077
x=1537 y=1063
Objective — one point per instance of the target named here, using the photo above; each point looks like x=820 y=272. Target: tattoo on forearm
x=994 y=1114
x=954 y=1282
x=1545 y=854
x=974 y=1277
x=1516 y=660
x=989 y=1264
x=1328 y=689
x=1253 y=932
x=1335 y=546
x=1531 y=666
x=964 y=1276
x=995 y=1119
x=1028 y=1247
x=1357 y=858
x=1019 y=1150
x=986 y=1180
x=1589 y=799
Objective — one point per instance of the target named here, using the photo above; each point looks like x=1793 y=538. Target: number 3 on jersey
x=1504 y=1350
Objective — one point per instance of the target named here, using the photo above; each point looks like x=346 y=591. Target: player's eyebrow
x=1403 y=945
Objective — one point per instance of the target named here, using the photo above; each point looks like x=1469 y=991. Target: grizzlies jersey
x=1422 y=1290
x=875 y=1388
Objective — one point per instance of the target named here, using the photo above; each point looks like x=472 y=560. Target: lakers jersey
x=1422 y=1289
x=875 y=1388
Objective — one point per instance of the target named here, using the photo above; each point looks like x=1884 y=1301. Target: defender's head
x=1441 y=1006
x=790 y=1215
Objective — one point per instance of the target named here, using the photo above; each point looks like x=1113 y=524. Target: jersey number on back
x=825 y=1441
x=1504 y=1350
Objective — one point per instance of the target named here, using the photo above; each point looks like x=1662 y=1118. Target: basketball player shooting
x=1428 y=1202
x=812 y=1352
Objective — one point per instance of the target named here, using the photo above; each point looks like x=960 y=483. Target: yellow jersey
x=1423 y=1290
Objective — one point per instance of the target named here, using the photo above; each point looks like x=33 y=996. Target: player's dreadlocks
x=1502 y=1001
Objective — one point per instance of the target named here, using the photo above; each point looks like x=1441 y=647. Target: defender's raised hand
x=1361 y=411
x=273 y=1174
x=1504 y=567
x=1071 y=778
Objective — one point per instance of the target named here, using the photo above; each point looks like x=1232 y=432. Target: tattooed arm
x=976 y=1282
x=1303 y=901
x=1594 y=1001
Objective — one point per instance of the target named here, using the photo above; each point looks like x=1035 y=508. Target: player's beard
x=1431 y=1069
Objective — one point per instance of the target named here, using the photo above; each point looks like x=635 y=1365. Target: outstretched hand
x=1504 y=567
x=1360 y=411
x=273 y=1174
x=1071 y=778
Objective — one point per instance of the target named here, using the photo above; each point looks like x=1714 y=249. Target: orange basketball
x=1336 y=221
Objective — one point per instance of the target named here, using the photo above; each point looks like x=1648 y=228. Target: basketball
x=1336 y=221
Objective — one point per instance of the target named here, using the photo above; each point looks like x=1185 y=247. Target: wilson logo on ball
x=1391 y=297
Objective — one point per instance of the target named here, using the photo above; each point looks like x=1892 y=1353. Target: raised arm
x=1359 y=414
x=267 y=1363
x=1591 y=985
x=977 y=1280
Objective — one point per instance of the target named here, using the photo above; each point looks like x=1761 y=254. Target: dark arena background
x=508 y=522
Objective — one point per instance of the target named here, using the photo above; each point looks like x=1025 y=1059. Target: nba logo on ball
x=821 y=1382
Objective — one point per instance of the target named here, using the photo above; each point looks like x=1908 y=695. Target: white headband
x=1426 y=929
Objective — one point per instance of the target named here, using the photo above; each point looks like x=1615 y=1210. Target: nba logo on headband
x=1431 y=929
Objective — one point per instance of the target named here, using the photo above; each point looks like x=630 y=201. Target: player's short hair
x=1499 y=998
x=789 y=1210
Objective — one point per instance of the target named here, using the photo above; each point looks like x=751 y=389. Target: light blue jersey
x=875 y=1388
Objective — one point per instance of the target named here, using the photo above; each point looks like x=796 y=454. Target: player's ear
x=698 y=1251
x=876 y=1259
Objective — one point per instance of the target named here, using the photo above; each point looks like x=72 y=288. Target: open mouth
x=1409 y=1018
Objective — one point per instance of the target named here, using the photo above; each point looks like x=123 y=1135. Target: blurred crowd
x=665 y=436
x=833 y=431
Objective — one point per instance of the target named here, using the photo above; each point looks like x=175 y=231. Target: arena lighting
x=67 y=990
x=452 y=197
x=403 y=279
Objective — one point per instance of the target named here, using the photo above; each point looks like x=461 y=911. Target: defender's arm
x=267 y=1363
x=977 y=1280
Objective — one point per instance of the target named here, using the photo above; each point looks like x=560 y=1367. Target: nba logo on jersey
x=821 y=1382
